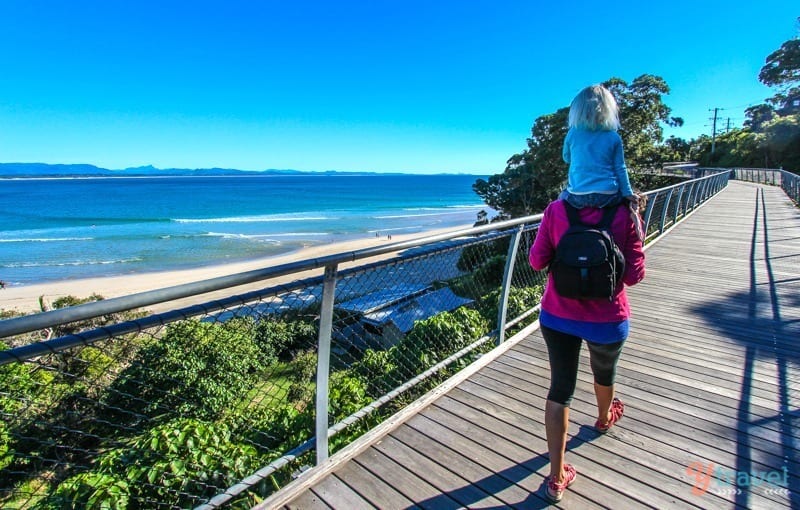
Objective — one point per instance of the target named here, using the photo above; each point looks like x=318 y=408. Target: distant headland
x=34 y=170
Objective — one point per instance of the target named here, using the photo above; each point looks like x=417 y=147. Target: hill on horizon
x=32 y=170
x=87 y=170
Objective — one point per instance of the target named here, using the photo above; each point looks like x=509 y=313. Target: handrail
x=788 y=181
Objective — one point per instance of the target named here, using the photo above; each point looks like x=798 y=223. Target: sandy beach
x=25 y=298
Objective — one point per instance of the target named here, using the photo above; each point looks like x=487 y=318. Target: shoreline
x=25 y=298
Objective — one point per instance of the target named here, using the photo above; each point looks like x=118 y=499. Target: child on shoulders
x=597 y=175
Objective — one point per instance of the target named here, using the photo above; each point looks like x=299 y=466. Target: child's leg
x=591 y=199
x=637 y=220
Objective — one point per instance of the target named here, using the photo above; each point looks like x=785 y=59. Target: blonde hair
x=594 y=108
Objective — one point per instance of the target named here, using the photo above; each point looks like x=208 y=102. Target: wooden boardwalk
x=710 y=377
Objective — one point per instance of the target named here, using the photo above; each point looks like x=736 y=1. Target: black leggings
x=564 y=352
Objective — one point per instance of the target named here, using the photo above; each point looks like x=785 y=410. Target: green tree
x=782 y=140
x=278 y=337
x=782 y=70
x=757 y=116
x=675 y=149
x=642 y=112
x=738 y=147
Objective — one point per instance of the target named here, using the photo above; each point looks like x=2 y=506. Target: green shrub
x=303 y=376
x=346 y=395
x=437 y=337
x=181 y=463
x=20 y=387
x=277 y=338
x=197 y=369
x=520 y=300
x=476 y=255
x=378 y=369
x=91 y=490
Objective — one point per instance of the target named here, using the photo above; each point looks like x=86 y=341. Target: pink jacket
x=554 y=224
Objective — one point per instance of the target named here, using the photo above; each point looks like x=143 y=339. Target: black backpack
x=588 y=264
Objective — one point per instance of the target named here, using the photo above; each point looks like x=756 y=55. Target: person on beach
x=566 y=322
x=597 y=175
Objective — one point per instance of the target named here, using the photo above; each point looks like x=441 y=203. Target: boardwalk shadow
x=466 y=496
x=754 y=319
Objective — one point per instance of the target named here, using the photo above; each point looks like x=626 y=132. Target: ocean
x=60 y=229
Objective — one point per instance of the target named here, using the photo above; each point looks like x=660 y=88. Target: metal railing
x=788 y=181
x=222 y=402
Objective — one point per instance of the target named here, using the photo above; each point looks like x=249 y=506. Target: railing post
x=707 y=190
x=665 y=210
x=324 y=362
x=648 y=212
x=502 y=306
x=700 y=194
x=678 y=203
x=694 y=198
x=697 y=191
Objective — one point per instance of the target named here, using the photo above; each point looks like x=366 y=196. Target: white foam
x=45 y=239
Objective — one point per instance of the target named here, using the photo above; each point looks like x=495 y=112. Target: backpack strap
x=572 y=214
x=575 y=219
x=608 y=217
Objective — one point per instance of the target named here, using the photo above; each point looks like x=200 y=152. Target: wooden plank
x=308 y=501
x=730 y=327
x=650 y=382
x=631 y=364
x=510 y=481
x=377 y=491
x=337 y=494
x=526 y=403
x=444 y=477
x=763 y=461
x=628 y=366
x=402 y=479
x=723 y=355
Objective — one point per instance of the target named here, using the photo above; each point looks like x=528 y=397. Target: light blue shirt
x=596 y=162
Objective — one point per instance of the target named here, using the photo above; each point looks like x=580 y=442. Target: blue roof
x=421 y=307
x=382 y=298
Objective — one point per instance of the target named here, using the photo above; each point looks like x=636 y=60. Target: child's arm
x=622 y=173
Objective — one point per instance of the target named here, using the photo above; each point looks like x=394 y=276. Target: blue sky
x=386 y=86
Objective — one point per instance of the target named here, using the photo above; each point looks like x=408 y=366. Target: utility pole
x=714 y=131
x=728 y=127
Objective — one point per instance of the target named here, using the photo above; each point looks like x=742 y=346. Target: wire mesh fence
x=224 y=402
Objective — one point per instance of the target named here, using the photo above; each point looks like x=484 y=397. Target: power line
x=746 y=105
